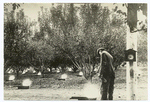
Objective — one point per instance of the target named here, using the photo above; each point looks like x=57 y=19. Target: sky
x=31 y=9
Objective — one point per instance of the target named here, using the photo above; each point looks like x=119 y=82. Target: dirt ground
x=46 y=93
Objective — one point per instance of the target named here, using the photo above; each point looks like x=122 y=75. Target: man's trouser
x=107 y=88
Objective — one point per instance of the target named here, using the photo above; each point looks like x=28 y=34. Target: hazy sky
x=31 y=9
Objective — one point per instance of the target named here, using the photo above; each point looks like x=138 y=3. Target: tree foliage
x=16 y=32
x=68 y=35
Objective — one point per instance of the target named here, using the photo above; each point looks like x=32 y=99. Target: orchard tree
x=97 y=30
x=41 y=55
x=78 y=39
x=64 y=23
x=16 y=32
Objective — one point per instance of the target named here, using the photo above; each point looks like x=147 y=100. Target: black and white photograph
x=75 y=51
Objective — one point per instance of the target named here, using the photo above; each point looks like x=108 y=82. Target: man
x=106 y=73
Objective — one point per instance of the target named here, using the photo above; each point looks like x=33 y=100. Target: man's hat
x=101 y=48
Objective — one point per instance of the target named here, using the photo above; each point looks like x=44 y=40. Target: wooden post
x=131 y=74
x=127 y=66
x=131 y=68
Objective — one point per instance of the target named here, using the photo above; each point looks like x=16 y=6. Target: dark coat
x=107 y=65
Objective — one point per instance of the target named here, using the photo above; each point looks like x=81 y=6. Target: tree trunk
x=131 y=76
x=50 y=69
x=63 y=68
x=17 y=73
x=75 y=69
x=42 y=71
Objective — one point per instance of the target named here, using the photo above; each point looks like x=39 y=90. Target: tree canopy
x=68 y=35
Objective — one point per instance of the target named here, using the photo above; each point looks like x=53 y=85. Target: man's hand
x=105 y=81
x=102 y=78
x=98 y=74
x=93 y=73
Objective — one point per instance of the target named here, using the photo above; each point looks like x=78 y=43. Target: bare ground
x=52 y=89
